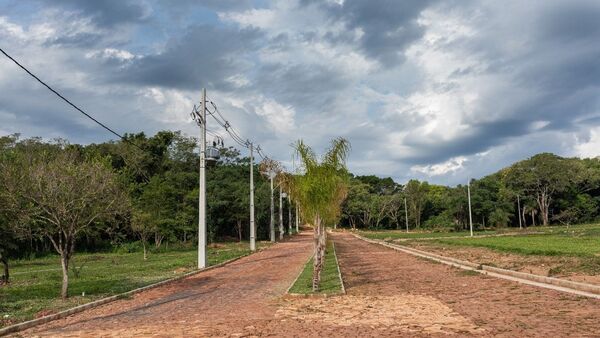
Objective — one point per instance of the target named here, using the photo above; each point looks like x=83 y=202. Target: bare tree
x=69 y=195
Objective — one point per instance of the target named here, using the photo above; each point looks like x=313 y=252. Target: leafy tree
x=543 y=176
x=143 y=225
x=416 y=196
x=321 y=189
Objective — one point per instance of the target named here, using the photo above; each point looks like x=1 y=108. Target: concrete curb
x=582 y=289
x=43 y=320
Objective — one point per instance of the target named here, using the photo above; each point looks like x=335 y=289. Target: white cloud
x=590 y=147
x=444 y=168
x=279 y=118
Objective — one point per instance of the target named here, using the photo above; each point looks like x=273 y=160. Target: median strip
x=331 y=277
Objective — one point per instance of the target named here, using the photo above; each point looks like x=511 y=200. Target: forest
x=143 y=192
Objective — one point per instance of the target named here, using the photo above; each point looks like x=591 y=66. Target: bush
x=443 y=220
x=129 y=247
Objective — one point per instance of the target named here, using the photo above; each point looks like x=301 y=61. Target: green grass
x=423 y=234
x=35 y=284
x=579 y=243
x=396 y=234
x=330 y=280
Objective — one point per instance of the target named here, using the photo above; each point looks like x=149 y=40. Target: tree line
x=542 y=190
x=62 y=198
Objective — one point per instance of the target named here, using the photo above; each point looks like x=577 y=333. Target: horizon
x=440 y=92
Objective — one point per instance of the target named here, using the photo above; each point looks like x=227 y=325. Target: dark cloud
x=204 y=56
x=106 y=13
x=388 y=26
x=480 y=138
x=306 y=86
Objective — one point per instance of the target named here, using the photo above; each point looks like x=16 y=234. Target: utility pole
x=297 y=219
x=406 y=214
x=470 y=217
x=281 y=230
x=289 y=214
x=272 y=224
x=519 y=208
x=202 y=198
x=252 y=225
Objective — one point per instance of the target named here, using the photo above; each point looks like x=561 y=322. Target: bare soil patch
x=552 y=266
x=405 y=312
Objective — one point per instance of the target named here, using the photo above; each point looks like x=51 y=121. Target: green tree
x=321 y=188
x=542 y=176
x=416 y=196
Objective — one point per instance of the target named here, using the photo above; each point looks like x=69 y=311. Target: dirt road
x=389 y=294
x=480 y=305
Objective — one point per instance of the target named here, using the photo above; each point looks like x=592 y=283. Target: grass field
x=330 y=280
x=35 y=284
x=396 y=234
x=584 y=229
x=583 y=242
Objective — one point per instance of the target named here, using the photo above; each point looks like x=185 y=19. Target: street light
x=281 y=196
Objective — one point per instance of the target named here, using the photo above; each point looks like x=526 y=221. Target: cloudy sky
x=435 y=90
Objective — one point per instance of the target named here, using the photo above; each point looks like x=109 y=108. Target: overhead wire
x=235 y=136
x=69 y=102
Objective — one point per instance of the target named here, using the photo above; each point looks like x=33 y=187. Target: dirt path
x=444 y=300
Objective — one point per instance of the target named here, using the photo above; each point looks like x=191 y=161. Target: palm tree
x=320 y=188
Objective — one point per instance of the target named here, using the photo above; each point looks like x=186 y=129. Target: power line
x=69 y=102
x=235 y=136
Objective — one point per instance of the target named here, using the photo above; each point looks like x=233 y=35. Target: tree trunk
x=239 y=229
x=64 y=261
x=6 y=275
x=158 y=239
x=145 y=250
x=317 y=260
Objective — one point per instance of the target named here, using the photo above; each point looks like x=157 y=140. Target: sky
x=435 y=90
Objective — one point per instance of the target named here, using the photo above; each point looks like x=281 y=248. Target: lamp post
x=289 y=214
x=470 y=216
x=297 y=219
x=200 y=118
x=281 y=196
x=252 y=224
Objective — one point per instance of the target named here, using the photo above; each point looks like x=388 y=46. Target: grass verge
x=572 y=231
x=578 y=244
x=330 y=276
x=35 y=284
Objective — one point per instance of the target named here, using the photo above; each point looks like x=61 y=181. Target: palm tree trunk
x=317 y=259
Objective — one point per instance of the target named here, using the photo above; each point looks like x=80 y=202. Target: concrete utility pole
x=519 y=208
x=289 y=214
x=297 y=219
x=202 y=198
x=272 y=224
x=470 y=217
x=281 y=230
x=252 y=224
x=406 y=214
